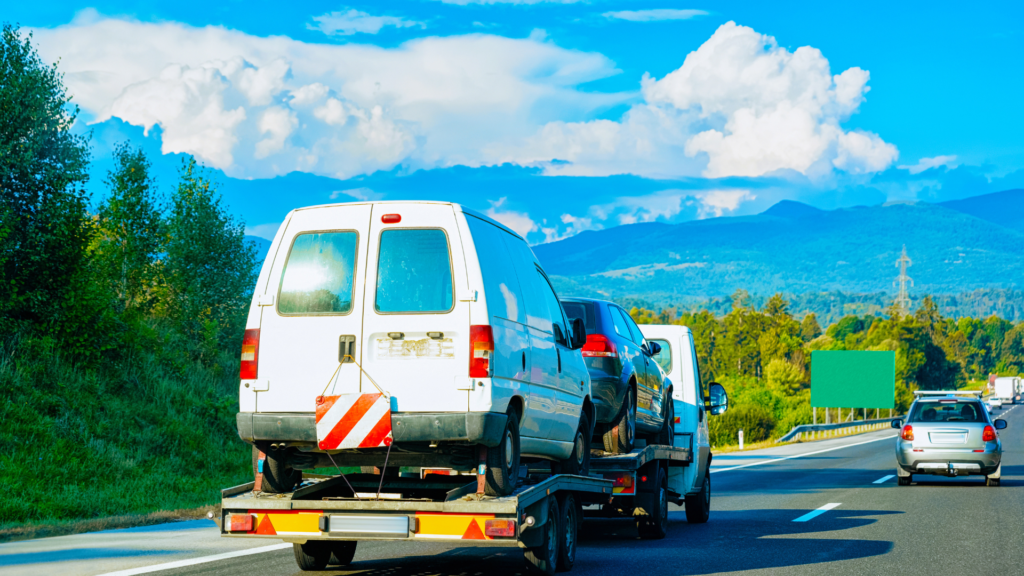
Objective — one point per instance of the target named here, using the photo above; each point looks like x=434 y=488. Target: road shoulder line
x=802 y=455
x=194 y=561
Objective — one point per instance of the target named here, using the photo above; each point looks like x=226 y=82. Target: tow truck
x=326 y=516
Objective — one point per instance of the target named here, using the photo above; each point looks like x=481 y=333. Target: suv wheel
x=666 y=436
x=619 y=438
x=503 y=460
x=579 y=461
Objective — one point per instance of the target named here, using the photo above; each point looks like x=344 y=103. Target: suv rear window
x=947 y=411
x=582 y=310
x=414 y=272
x=317 y=276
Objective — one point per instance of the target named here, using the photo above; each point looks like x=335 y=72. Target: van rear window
x=414 y=272
x=317 y=277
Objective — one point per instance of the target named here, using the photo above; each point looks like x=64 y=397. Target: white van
x=690 y=396
x=443 y=312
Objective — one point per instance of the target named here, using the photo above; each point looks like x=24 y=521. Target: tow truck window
x=664 y=357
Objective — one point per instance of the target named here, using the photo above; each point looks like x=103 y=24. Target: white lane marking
x=818 y=512
x=804 y=454
x=200 y=560
x=884 y=479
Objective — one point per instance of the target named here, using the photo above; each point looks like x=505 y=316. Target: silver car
x=948 y=434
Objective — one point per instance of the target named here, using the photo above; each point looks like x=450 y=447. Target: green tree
x=130 y=232
x=209 y=268
x=784 y=377
x=43 y=202
x=809 y=328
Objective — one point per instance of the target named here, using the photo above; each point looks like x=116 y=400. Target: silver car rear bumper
x=948 y=461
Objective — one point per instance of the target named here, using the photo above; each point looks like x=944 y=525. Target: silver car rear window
x=947 y=411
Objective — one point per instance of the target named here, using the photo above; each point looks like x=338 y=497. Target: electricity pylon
x=903 y=299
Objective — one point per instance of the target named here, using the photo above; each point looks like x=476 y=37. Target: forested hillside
x=120 y=321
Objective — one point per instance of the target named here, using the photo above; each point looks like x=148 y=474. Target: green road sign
x=853 y=379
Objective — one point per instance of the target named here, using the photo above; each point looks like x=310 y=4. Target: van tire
x=619 y=438
x=654 y=526
x=342 y=552
x=278 y=477
x=543 y=559
x=578 y=462
x=503 y=460
x=698 y=506
x=313 y=555
x=666 y=436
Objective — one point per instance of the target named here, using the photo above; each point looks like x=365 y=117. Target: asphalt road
x=871 y=526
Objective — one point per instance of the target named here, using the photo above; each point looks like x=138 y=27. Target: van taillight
x=908 y=432
x=598 y=345
x=989 y=434
x=481 y=347
x=250 y=354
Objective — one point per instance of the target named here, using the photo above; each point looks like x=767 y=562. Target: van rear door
x=316 y=316
x=416 y=329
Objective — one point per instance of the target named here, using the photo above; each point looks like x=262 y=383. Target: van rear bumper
x=469 y=427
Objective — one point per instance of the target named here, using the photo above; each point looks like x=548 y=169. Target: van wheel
x=579 y=461
x=342 y=552
x=698 y=506
x=667 y=434
x=572 y=513
x=503 y=460
x=619 y=438
x=313 y=555
x=654 y=526
x=544 y=558
x=278 y=477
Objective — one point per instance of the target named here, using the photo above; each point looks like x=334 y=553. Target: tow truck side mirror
x=717 y=400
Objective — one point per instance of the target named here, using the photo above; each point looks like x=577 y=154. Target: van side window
x=318 y=275
x=414 y=272
x=555 y=314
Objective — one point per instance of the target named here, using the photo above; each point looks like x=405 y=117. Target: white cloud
x=927 y=163
x=520 y=222
x=715 y=203
x=468 y=2
x=353 y=21
x=740 y=105
x=662 y=205
x=354 y=108
x=361 y=193
x=654 y=15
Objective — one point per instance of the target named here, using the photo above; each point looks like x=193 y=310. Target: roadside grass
x=111 y=446
x=770 y=443
x=68 y=527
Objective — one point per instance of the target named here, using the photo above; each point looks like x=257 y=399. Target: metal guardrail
x=812 y=430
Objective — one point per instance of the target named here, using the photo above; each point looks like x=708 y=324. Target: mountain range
x=794 y=248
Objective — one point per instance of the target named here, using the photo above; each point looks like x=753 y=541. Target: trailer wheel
x=655 y=525
x=579 y=461
x=570 y=517
x=544 y=558
x=313 y=555
x=503 y=460
x=619 y=438
x=667 y=434
x=278 y=477
x=342 y=552
x=698 y=506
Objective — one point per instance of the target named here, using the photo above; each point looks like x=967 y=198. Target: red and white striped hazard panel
x=353 y=421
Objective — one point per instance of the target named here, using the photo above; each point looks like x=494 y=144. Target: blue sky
x=553 y=117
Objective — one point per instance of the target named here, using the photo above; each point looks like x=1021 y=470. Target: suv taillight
x=598 y=345
x=989 y=434
x=481 y=348
x=908 y=432
x=250 y=354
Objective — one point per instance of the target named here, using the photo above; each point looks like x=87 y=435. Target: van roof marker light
x=391 y=218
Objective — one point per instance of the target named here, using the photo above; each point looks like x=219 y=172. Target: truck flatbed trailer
x=326 y=515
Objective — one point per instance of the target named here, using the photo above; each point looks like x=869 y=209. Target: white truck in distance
x=1006 y=389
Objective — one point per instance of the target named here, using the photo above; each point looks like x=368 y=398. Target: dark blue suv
x=629 y=388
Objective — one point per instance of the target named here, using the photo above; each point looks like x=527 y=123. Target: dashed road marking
x=818 y=512
x=884 y=479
